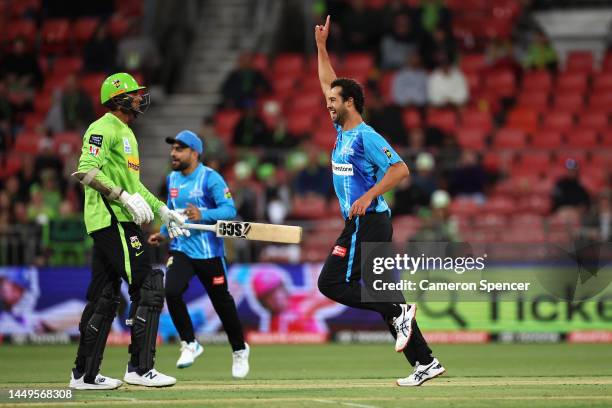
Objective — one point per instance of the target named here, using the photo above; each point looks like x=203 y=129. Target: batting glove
x=173 y=220
x=137 y=206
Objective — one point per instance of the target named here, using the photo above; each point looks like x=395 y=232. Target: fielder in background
x=364 y=167
x=201 y=194
x=116 y=203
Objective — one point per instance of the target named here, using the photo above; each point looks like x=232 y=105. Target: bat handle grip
x=201 y=227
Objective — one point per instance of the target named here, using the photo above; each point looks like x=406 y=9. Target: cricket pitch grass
x=358 y=376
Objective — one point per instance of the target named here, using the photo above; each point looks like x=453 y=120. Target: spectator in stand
x=438 y=225
x=6 y=210
x=54 y=121
x=243 y=85
x=138 y=52
x=11 y=187
x=215 y=154
x=469 y=178
x=23 y=76
x=99 y=54
x=245 y=197
x=391 y=10
x=432 y=45
x=387 y=120
x=315 y=178
x=597 y=223
x=568 y=191
x=409 y=86
x=27 y=177
x=77 y=109
x=425 y=178
x=433 y=15
x=398 y=44
x=6 y=123
x=447 y=85
x=39 y=210
x=500 y=54
x=47 y=159
x=357 y=28
x=251 y=131
x=541 y=54
x=276 y=197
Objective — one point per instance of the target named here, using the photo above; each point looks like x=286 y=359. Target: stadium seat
x=600 y=100
x=33 y=120
x=525 y=119
x=501 y=82
x=491 y=220
x=464 y=207
x=445 y=120
x=474 y=82
x=129 y=8
x=477 y=119
x=535 y=161
x=260 y=62
x=83 y=29
x=298 y=123
x=284 y=85
x=534 y=204
x=472 y=63
x=563 y=155
x=386 y=84
x=510 y=138
x=528 y=221
x=64 y=66
x=307 y=102
x=25 y=29
x=606 y=138
x=118 y=26
x=225 y=121
x=537 y=81
x=538 y=100
x=91 y=84
x=287 y=63
x=11 y=166
x=560 y=121
x=67 y=143
x=471 y=138
x=579 y=61
x=568 y=102
x=19 y=9
x=546 y=139
x=28 y=142
x=358 y=62
x=311 y=207
x=603 y=82
x=411 y=118
x=576 y=82
x=582 y=138
x=55 y=35
x=42 y=103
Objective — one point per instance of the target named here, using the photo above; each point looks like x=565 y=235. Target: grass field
x=358 y=376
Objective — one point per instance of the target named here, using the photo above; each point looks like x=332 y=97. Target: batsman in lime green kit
x=116 y=204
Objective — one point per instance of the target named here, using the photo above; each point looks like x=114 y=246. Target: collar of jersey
x=193 y=173
x=353 y=130
x=116 y=119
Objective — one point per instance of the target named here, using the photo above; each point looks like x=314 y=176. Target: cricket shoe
x=189 y=352
x=240 y=363
x=403 y=326
x=100 y=383
x=151 y=378
x=422 y=373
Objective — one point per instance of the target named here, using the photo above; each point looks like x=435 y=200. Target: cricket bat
x=286 y=234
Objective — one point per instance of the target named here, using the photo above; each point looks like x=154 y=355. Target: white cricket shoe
x=100 y=383
x=189 y=352
x=422 y=373
x=403 y=326
x=151 y=378
x=240 y=364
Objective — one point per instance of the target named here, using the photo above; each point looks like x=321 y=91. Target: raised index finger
x=326 y=27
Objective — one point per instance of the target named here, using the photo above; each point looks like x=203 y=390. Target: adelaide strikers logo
x=116 y=83
x=135 y=243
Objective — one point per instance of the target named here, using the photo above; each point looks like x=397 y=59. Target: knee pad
x=95 y=326
x=144 y=317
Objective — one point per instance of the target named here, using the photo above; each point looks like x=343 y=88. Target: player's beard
x=179 y=165
x=341 y=116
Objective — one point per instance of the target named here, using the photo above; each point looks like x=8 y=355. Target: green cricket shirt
x=110 y=145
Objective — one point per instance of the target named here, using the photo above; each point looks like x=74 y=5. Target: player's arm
x=326 y=71
x=382 y=155
x=225 y=208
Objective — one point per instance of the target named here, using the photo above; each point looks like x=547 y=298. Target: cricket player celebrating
x=203 y=196
x=364 y=167
x=116 y=203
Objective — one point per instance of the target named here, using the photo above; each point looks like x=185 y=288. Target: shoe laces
x=184 y=346
x=239 y=355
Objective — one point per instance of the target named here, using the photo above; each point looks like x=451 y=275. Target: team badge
x=96 y=140
x=227 y=193
x=117 y=83
x=218 y=280
x=339 y=251
x=387 y=152
x=94 y=151
x=135 y=242
x=174 y=192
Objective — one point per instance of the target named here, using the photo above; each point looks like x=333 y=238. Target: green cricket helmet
x=118 y=91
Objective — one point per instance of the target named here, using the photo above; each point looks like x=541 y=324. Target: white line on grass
x=348 y=404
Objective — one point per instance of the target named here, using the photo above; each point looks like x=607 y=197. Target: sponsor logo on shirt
x=339 y=251
x=218 y=280
x=133 y=163
x=96 y=140
x=135 y=242
x=174 y=192
x=127 y=147
x=387 y=152
x=94 y=151
x=227 y=193
x=342 y=169
x=196 y=193
x=348 y=151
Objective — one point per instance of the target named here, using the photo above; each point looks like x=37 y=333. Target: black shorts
x=181 y=268
x=119 y=251
x=343 y=264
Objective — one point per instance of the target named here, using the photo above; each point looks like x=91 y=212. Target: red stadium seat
x=537 y=101
x=534 y=204
x=25 y=29
x=477 y=119
x=445 y=120
x=55 y=35
x=42 y=103
x=91 y=83
x=582 y=138
x=474 y=82
x=324 y=137
x=510 y=138
x=572 y=82
x=581 y=61
x=603 y=82
x=67 y=143
x=464 y=207
x=501 y=82
x=593 y=120
x=607 y=138
x=546 y=139
x=225 y=122
x=524 y=119
x=84 y=28
x=288 y=62
x=260 y=62
x=568 y=102
x=283 y=86
x=472 y=63
x=118 y=26
x=18 y=9
x=491 y=220
x=386 y=83
x=411 y=118
x=560 y=121
x=499 y=206
x=12 y=165
x=601 y=100
x=562 y=156
x=299 y=124
x=358 y=62
x=132 y=8
x=537 y=81
x=471 y=138
x=537 y=161
x=28 y=142
x=65 y=66
x=33 y=120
